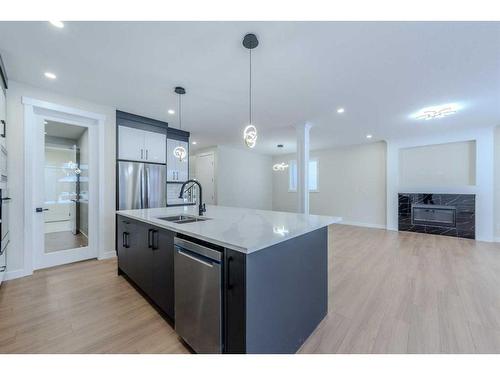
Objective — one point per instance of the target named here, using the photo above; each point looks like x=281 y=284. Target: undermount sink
x=183 y=219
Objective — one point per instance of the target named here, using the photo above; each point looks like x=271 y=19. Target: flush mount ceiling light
x=369 y=136
x=171 y=112
x=340 y=110
x=58 y=24
x=280 y=167
x=193 y=143
x=179 y=151
x=437 y=111
x=250 y=42
x=50 y=75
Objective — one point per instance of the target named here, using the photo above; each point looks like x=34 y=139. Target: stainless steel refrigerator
x=141 y=185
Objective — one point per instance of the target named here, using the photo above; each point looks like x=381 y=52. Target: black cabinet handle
x=155 y=240
x=4 y=131
x=125 y=240
x=150 y=241
x=229 y=283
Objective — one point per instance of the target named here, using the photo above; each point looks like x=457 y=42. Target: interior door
x=205 y=176
x=131 y=143
x=56 y=177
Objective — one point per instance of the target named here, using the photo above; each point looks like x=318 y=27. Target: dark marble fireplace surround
x=460 y=207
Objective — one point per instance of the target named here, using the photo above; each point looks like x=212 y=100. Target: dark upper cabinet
x=146 y=256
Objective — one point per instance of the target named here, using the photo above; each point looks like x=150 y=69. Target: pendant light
x=180 y=152
x=250 y=42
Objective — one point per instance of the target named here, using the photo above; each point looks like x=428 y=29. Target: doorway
x=62 y=184
x=65 y=186
x=205 y=174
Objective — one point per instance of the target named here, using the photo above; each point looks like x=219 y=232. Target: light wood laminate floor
x=389 y=292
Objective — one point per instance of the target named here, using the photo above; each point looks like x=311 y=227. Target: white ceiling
x=380 y=72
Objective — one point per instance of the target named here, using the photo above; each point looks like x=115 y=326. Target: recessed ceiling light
x=193 y=143
x=340 y=110
x=369 y=136
x=436 y=111
x=171 y=112
x=50 y=75
x=45 y=122
x=58 y=24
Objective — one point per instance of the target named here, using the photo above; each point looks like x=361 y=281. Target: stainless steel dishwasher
x=198 y=295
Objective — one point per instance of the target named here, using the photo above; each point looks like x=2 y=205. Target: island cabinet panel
x=146 y=256
x=163 y=270
x=286 y=293
x=234 y=285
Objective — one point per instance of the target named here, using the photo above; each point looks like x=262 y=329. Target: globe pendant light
x=180 y=152
x=250 y=42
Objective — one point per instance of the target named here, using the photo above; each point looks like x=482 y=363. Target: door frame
x=214 y=155
x=32 y=109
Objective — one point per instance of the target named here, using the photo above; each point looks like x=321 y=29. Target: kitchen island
x=241 y=281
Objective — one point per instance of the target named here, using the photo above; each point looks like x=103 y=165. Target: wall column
x=303 y=167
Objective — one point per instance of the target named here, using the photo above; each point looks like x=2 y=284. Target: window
x=313 y=175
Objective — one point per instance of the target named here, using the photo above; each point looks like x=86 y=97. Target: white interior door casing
x=205 y=174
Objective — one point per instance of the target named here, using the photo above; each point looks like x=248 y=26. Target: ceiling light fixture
x=50 y=75
x=437 y=111
x=369 y=136
x=180 y=152
x=250 y=42
x=340 y=110
x=280 y=167
x=58 y=24
x=193 y=143
x=171 y=112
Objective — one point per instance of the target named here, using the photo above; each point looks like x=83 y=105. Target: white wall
x=351 y=184
x=243 y=178
x=447 y=164
x=15 y=147
x=497 y=183
x=484 y=177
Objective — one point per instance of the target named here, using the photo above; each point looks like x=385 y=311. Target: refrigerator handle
x=142 y=189
x=146 y=187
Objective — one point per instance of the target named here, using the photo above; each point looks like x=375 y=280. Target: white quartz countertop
x=241 y=229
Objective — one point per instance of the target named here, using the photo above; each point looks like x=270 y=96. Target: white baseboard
x=16 y=274
x=360 y=224
x=107 y=255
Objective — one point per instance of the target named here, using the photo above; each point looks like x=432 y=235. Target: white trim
x=365 y=225
x=96 y=123
x=107 y=255
x=16 y=274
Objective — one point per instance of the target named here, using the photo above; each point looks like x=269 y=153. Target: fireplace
x=430 y=214
x=444 y=214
